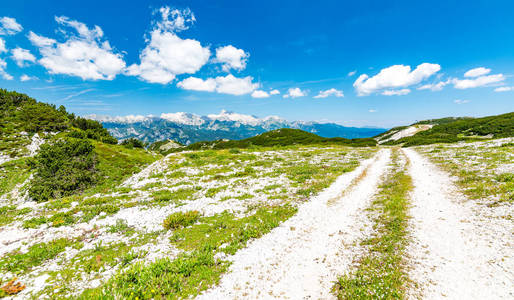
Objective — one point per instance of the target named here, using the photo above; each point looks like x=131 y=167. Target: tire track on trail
x=303 y=257
x=454 y=254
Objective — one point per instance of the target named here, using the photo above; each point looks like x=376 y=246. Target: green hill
x=280 y=137
x=76 y=155
x=449 y=130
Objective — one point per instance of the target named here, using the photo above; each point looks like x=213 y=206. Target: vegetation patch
x=9 y=213
x=381 y=272
x=478 y=169
x=18 y=263
x=450 y=130
x=181 y=219
x=13 y=173
x=63 y=168
x=180 y=278
x=280 y=137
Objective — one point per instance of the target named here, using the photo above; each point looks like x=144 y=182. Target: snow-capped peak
x=235 y=117
x=129 y=119
x=183 y=118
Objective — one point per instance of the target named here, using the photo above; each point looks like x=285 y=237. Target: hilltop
x=49 y=152
x=279 y=138
x=449 y=130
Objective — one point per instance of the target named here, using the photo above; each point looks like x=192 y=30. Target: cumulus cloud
x=435 y=86
x=372 y=110
x=330 y=92
x=274 y=92
x=167 y=55
x=40 y=41
x=3 y=73
x=459 y=101
x=2 y=46
x=26 y=77
x=174 y=19
x=295 y=93
x=231 y=58
x=478 y=81
x=222 y=84
x=84 y=54
x=504 y=89
x=350 y=74
x=21 y=56
x=477 y=72
x=198 y=84
x=260 y=94
x=235 y=86
x=396 y=76
x=396 y=92
x=9 y=26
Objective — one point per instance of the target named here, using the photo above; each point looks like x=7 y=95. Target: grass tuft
x=181 y=219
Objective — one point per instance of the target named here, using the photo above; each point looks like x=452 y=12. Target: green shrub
x=63 y=168
x=133 y=143
x=181 y=219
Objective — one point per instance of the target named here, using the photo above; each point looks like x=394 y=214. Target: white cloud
x=76 y=94
x=435 y=86
x=222 y=84
x=2 y=46
x=396 y=92
x=166 y=55
x=295 y=93
x=477 y=81
x=274 y=92
x=330 y=92
x=235 y=86
x=26 y=77
x=395 y=76
x=9 y=26
x=459 y=101
x=3 y=73
x=21 y=55
x=198 y=84
x=231 y=58
x=175 y=20
x=477 y=72
x=85 y=54
x=40 y=41
x=260 y=94
x=504 y=89
x=372 y=110
x=350 y=74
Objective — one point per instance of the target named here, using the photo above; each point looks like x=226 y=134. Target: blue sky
x=369 y=63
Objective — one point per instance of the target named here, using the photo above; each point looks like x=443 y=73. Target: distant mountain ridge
x=188 y=128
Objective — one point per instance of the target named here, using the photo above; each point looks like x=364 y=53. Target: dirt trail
x=302 y=258
x=455 y=254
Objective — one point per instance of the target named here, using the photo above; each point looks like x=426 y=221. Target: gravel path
x=455 y=253
x=302 y=258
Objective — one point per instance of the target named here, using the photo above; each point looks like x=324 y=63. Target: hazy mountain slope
x=190 y=128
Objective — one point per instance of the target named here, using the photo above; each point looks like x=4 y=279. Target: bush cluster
x=133 y=143
x=63 y=168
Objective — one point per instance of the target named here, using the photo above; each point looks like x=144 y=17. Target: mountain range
x=187 y=128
